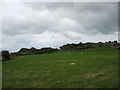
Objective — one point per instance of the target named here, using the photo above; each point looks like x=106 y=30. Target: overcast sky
x=50 y=24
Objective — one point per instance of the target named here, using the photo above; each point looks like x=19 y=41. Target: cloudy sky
x=52 y=24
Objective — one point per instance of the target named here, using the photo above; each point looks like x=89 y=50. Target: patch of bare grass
x=93 y=75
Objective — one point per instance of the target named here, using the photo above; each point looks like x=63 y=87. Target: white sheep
x=72 y=63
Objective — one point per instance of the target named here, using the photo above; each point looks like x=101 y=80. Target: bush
x=47 y=50
x=115 y=42
x=5 y=55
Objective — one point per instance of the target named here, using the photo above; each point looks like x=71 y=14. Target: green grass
x=94 y=68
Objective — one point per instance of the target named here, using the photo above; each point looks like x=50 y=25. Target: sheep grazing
x=58 y=81
x=72 y=63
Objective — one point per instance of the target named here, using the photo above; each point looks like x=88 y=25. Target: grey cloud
x=85 y=19
x=101 y=17
x=49 y=5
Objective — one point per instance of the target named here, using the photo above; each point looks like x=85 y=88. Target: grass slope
x=94 y=68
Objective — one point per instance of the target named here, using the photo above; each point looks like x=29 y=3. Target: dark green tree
x=115 y=42
x=5 y=55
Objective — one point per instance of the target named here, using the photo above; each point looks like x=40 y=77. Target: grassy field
x=93 y=68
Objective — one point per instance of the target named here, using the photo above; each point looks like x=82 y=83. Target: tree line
x=80 y=46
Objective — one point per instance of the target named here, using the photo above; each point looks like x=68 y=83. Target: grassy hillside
x=92 y=68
